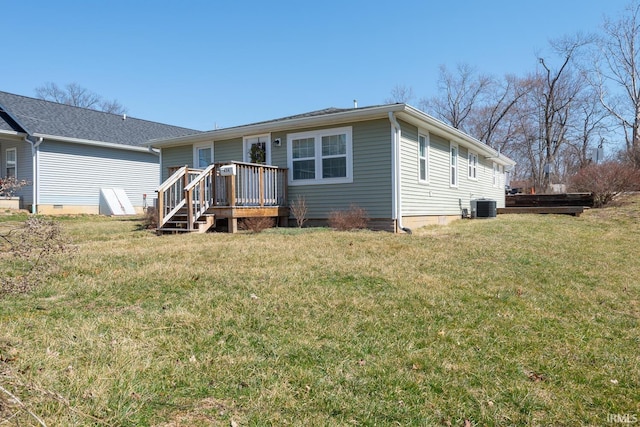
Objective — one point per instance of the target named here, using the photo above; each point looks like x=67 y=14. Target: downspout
x=34 y=181
x=396 y=172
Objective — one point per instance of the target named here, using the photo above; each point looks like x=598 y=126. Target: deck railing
x=171 y=197
x=196 y=190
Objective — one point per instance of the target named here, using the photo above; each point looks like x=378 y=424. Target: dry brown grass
x=522 y=320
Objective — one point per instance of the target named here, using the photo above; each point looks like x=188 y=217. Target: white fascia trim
x=12 y=134
x=281 y=125
x=139 y=148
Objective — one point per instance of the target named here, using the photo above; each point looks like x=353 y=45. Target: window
x=497 y=172
x=257 y=149
x=453 y=170
x=473 y=165
x=202 y=155
x=11 y=163
x=320 y=157
x=423 y=158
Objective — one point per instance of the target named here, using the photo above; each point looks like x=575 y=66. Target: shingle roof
x=37 y=116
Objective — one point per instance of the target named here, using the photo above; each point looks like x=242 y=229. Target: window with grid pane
x=303 y=154
x=334 y=156
x=11 y=163
x=320 y=157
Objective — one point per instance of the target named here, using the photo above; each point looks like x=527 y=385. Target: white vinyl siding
x=320 y=157
x=73 y=174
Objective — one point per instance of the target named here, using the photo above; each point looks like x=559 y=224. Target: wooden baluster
x=261 y=185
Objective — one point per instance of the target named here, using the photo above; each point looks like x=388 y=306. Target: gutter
x=139 y=148
x=396 y=134
x=34 y=183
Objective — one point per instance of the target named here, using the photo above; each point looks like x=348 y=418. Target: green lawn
x=521 y=320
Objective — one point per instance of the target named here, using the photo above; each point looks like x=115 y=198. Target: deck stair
x=192 y=200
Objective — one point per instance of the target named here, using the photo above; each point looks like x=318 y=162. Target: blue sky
x=202 y=64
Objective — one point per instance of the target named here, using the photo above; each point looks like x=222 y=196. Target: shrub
x=351 y=219
x=257 y=224
x=605 y=181
x=28 y=254
x=299 y=210
x=10 y=185
x=150 y=218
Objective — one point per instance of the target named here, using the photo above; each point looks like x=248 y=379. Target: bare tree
x=618 y=68
x=553 y=107
x=460 y=93
x=400 y=94
x=490 y=122
x=78 y=96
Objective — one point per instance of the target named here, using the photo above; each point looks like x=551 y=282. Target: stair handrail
x=164 y=187
x=202 y=201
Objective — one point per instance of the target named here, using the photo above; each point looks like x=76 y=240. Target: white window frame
x=497 y=175
x=453 y=165
x=472 y=159
x=196 y=157
x=11 y=164
x=424 y=158
x=246 y=144
x=317 y=136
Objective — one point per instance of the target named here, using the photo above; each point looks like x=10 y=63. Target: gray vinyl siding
x=437 y=196
x=73 y=174
x=175 y=157
x=24 y=166
x=371 y=186
x=228 y=150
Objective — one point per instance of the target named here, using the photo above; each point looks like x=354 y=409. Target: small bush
x=150 y=218
x=28 y=254
x=299 y=210
x=257 y=224
x=351 y=219
x=605 y=181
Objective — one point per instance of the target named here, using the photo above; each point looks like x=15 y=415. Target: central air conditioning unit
x=483 y=208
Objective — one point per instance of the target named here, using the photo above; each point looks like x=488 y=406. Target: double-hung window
x=473 y=165
x=496 y=175
x=423 y=158
x=453 y=162
x=320 y=157
x=11 y=163
x=202 y=155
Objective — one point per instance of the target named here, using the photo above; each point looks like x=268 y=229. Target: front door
x=257 y=149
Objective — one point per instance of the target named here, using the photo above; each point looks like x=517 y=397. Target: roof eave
x=278 y=125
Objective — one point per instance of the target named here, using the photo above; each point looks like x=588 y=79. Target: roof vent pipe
x=124 y=117
x=355 y=103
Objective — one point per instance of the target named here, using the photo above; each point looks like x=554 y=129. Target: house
x=72 y=157
x=405 y=168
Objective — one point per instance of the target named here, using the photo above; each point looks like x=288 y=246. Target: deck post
x=233 y=225
x=232 y=190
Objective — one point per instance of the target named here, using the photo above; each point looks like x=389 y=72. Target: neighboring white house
x=405 y=168
x=70 y=154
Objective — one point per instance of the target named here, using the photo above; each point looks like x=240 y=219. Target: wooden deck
x=563 y=204
x=191 y=200
x=565 y=210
